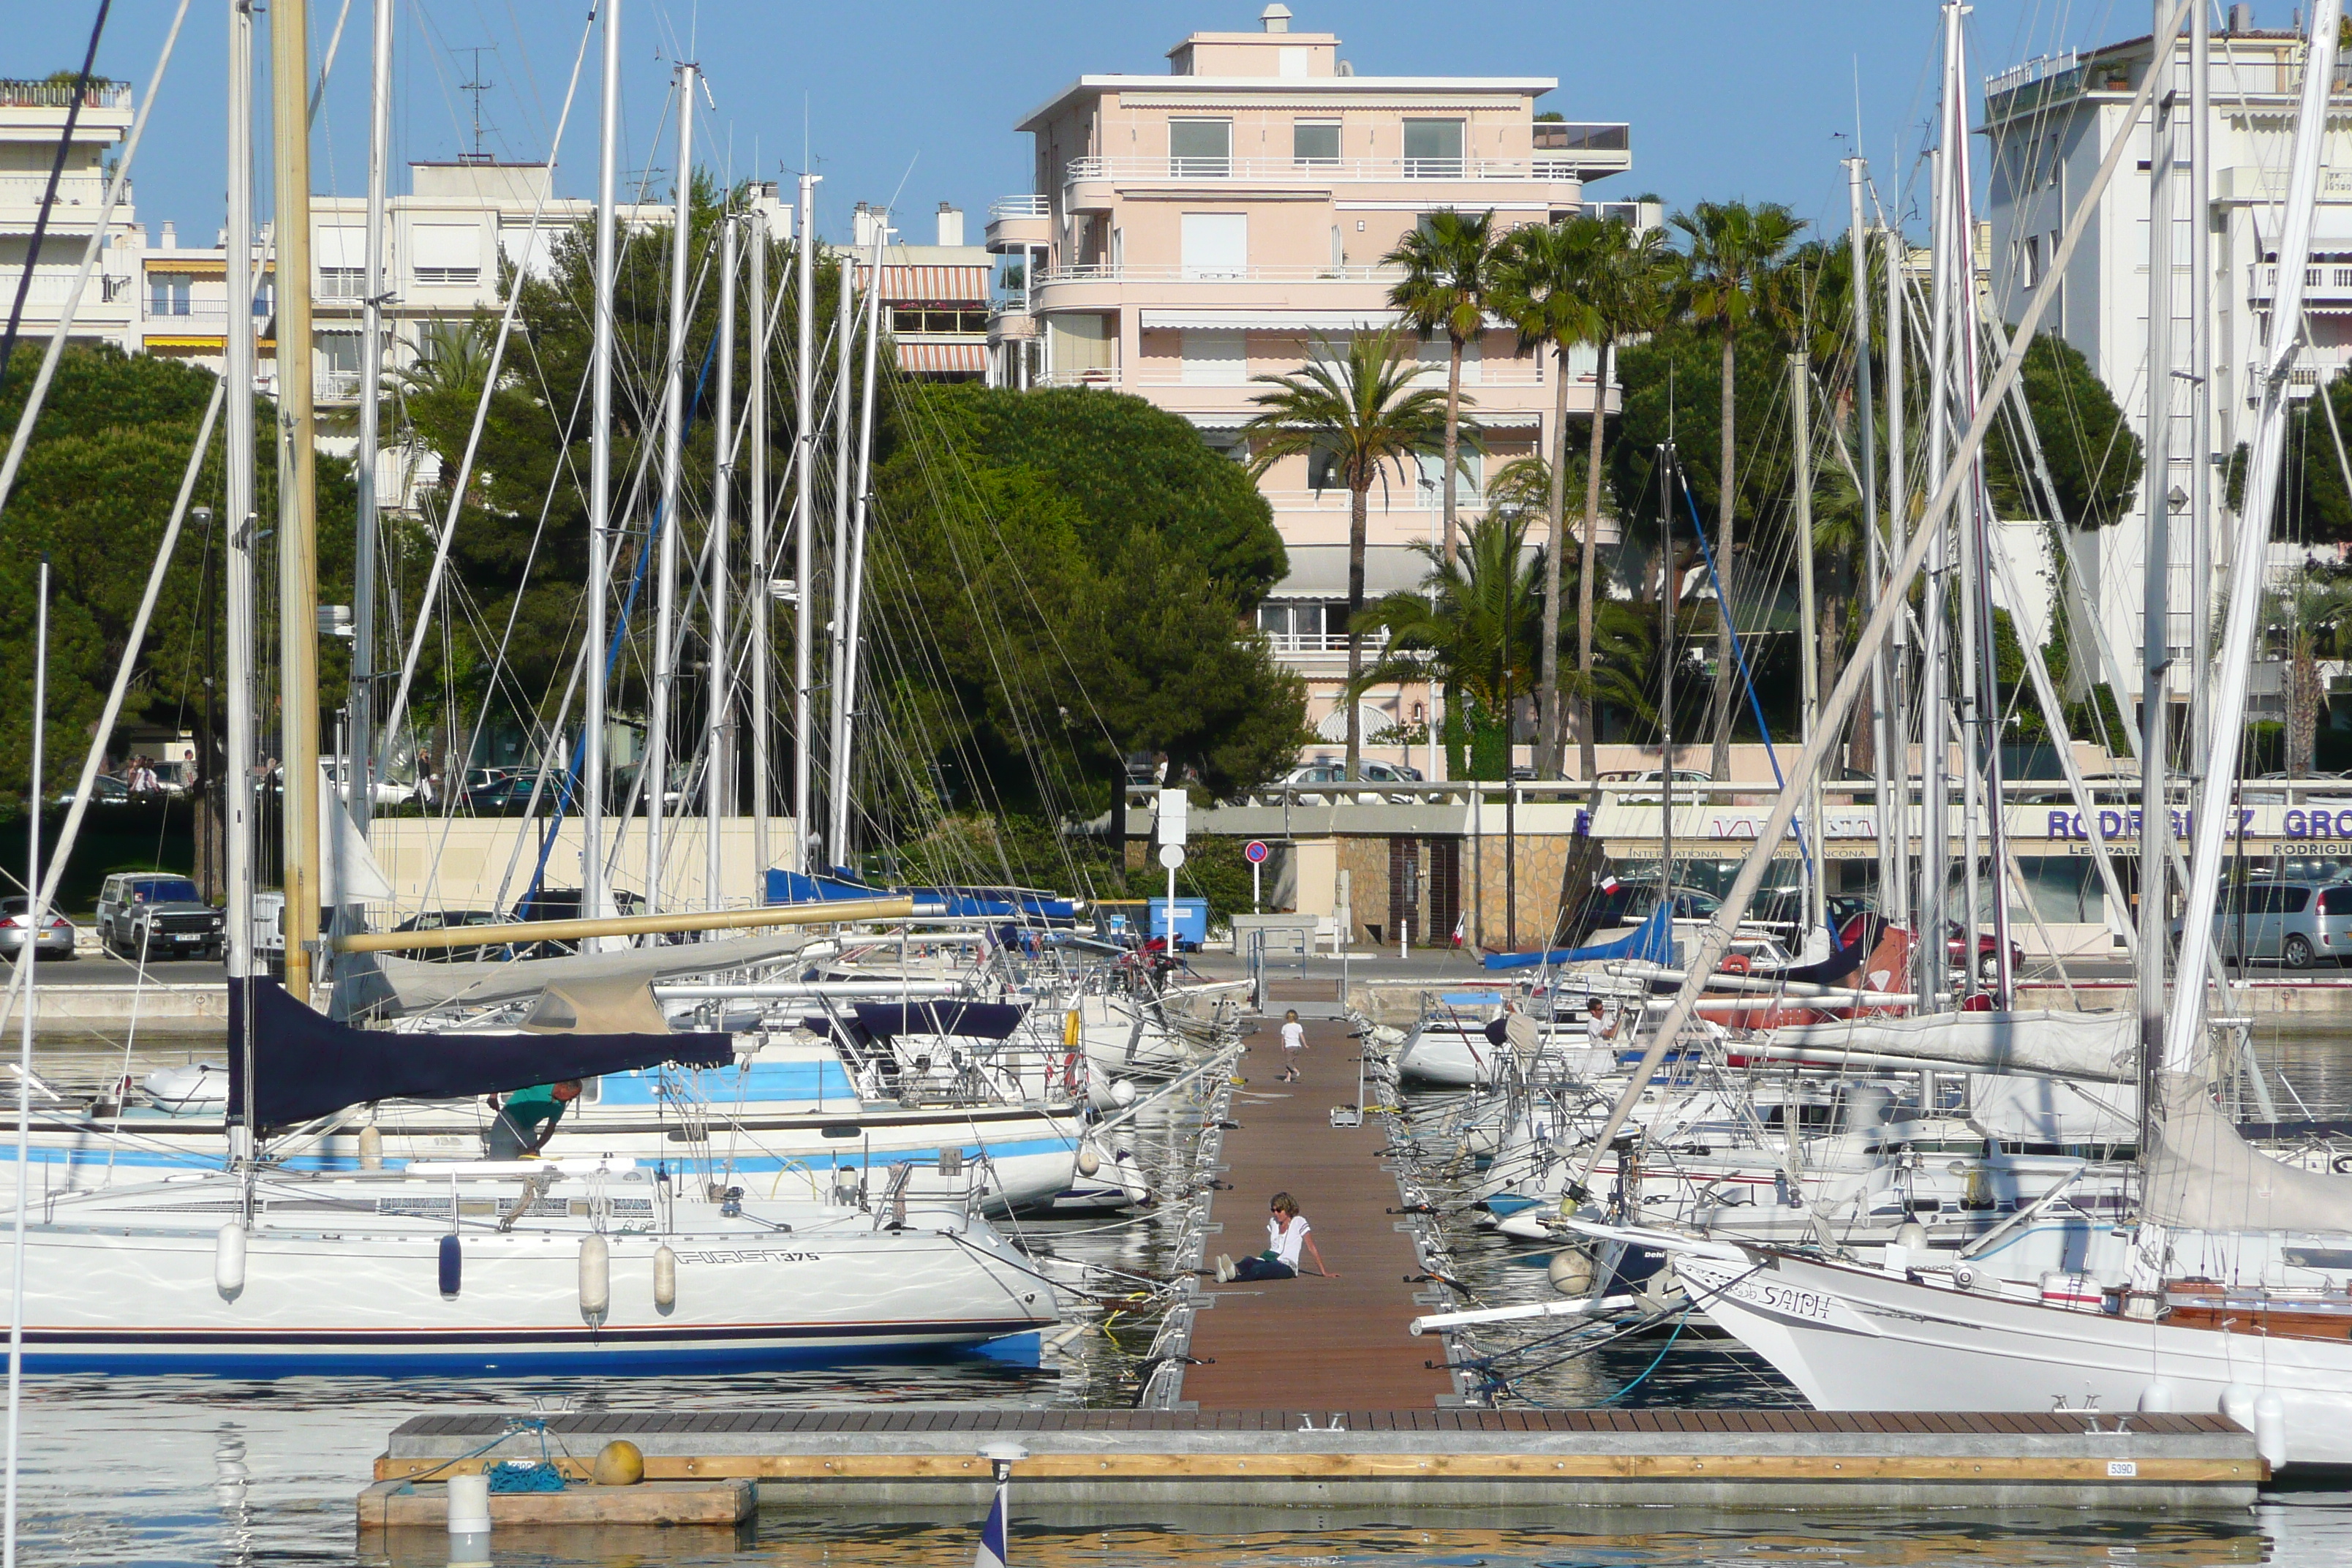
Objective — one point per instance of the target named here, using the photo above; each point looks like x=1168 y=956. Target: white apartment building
x=1191 y=230
x=2049 y=122
x=32 y=117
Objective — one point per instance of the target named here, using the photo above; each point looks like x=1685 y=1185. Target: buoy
x=2269 y=1428
x=665 y=1278
x=619 y=1463
x=229 y=1258
x=1122 y=1093
x=371 y=1148
x=595 y=1276
x=469 y=1518
x=2156 y=1399
x=1571 y=1272
x=1088 y=1161
x=453 y=1265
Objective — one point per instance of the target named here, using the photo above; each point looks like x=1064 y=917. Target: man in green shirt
x=526 y=1121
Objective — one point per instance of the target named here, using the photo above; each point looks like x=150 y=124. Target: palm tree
x=1731 y=276
x=1471 y=628
x=1449 y=266
x=1362 y=411
x=2312 y=610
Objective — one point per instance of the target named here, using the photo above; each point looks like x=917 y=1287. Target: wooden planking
x=1311 y=1344
x=724 y=1501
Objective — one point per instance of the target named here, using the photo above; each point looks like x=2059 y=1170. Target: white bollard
x=469 y=1521
x=1404 y=938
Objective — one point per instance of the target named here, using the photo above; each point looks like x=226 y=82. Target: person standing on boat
x=526 y=1121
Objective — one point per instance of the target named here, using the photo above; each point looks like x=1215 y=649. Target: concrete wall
x=464 y=863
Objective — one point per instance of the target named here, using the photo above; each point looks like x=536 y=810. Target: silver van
x=2294 y=923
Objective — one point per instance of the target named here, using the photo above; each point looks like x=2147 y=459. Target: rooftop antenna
x=477 y=87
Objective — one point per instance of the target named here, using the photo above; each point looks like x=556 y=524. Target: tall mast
x=2156 y=600
x=805 y=526
x=844 y=335
x=359 y=760
x=1935 y=830
x=654 y=778
x=758 y=601
x=719 y=781
x=1670 y=592
x=845 y=745
x=592 y=896
x=1898 y=528
x=297 y=511
x=238 y=521
x=1809 y=660
x=1873 y=563
x=2200 y=378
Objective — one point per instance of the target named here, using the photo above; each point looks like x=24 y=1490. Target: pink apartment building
x=1192 y=230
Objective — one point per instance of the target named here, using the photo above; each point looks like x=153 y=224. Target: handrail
x=1551 y=163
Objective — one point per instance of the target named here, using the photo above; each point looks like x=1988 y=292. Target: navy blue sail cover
x=975 y=1020
x=305 y=1066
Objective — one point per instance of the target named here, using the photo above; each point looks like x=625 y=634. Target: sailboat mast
x=1865 y=414
x=1895 y=798
x=2201 y=379
x=804 y=527
x=593 y=899
x=1670 y=588
x=1809 y=660
x=853 y=593
x=654 y=778
x=359 y=756
x=844 y=334
x=297 y=511
x=1935 y=830
x=2157 y=566
x=237 y=574
x=758 y=601
x=719 y=781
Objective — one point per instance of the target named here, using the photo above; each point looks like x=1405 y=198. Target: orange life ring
x=1734 y=964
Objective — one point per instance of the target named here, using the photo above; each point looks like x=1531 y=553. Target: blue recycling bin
x=1192 y=922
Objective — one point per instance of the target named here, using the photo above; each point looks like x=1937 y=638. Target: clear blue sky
x=1725 y=99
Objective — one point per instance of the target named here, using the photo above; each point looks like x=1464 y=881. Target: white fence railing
x=1569 y=163
x=1020 y=206
x=1215 y=273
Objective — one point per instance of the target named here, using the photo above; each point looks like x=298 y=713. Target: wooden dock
x=1437 y=1458
x=1310 y=1343
x=723 y=1502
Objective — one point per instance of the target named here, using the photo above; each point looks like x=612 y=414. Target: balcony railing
x=52 y=288
x=1106 y=376
x=1215 y=273
x=60 y=95
x=194 y=319
x=2323 y=280
x=1548 y=166
x=78 y=195
x=1315 y=644
x=336 y=386
x=1019 y=206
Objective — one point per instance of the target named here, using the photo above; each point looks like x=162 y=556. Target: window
x=1216 y=358
x=167 y=293
x=340 y=253
x=1215 y=245
x=1433 y=149
x=2291 y=901
x=1469 y=478
x=1323 y=470
x=2029 y=273
x=1200 y=148
x=1314 y=143
x=447 y=255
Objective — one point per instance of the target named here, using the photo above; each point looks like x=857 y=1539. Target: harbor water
x=190 y=1470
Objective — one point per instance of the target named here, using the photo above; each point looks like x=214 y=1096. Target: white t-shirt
x=1285 y=1240
x=1294 y=1037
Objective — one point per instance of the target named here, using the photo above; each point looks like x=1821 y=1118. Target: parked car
x=1649 y=787
x=442 y=919
x=1368 y=771
x=509 y=795
x=2294 y=923
x=54 y=940
x=1955 y=950
x=104 y=789
x=147 y=916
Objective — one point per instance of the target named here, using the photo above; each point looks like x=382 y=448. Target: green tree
x=2092 y=457
x=1593 y=283
x=2310 y=614
x=1732 y=264
x=1450 y=265
x=1361 y=410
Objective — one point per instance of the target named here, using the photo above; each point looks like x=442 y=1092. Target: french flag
x=992 y=1553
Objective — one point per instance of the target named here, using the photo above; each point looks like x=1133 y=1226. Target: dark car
x=442 y=920
x=503 y=796
x=141 y=915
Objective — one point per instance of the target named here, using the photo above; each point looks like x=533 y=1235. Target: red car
x=1858 y=928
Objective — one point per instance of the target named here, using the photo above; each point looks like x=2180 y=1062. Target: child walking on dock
x=1286 y=1232
x=1294 y=1040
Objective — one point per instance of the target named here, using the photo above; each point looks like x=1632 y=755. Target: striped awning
x=934 y=285
x=943 y=359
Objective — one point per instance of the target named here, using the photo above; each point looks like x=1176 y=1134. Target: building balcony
x=1011 y=321
x=1587 y=156
x=1181 y=272
x=1018 y=223
x=81 y=198
x=1106 y=377
x=2325 y=285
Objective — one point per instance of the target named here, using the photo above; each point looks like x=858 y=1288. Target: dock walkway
x=1310 y=1343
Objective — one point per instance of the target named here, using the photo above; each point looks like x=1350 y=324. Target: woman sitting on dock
x=1287 y=1231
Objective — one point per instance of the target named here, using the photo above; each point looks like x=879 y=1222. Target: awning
x=943 y=359
x=1277 y=319
x=932 y=285
x=193 y=266
x=1320 y=571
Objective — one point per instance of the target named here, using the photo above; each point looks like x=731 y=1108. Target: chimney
x=1275 y=18
x=2242 y=19
x=170 y=236
x=862 y=226
x=950 y=225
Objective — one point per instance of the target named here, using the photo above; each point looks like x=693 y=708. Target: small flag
x=1609 y=884
x=992 y=1533
x=1457 y=930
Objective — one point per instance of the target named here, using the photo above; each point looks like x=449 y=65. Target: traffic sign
x=1256 y=852
x=1171 y=855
